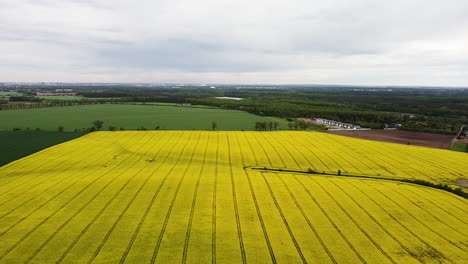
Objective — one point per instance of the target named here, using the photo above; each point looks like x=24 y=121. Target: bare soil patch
x=399 y=136
x=462 y=183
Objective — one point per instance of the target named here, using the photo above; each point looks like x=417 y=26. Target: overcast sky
x=373 y=42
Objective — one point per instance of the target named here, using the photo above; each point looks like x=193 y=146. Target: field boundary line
x=415 y=182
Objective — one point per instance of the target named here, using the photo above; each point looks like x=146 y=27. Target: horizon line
x=233 y=84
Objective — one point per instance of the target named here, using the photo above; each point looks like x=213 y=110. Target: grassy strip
x=445 y=187
x=462 y=147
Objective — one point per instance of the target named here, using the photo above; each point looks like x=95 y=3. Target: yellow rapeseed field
x=232 y=197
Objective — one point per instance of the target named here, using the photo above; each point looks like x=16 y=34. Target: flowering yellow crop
x=231 y=197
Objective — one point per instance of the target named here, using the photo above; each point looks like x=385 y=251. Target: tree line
x=428 y=110
x=264 y=126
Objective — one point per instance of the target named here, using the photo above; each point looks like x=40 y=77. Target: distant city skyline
x=337 y=42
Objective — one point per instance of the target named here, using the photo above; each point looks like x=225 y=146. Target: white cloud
x=225 y=41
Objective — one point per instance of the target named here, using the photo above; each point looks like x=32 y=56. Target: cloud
x=341 y=41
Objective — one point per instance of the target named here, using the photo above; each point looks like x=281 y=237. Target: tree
x=98 y=124
x=60 y=128
x=275 y=126
x=296 y=125
x=261 y=126
x=214 y=125
x=112 y=128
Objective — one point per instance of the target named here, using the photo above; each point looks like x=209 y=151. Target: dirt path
x=462 y=183
x=399 y=136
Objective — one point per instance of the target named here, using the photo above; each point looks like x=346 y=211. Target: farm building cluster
x=338 y=124
x=330 y=123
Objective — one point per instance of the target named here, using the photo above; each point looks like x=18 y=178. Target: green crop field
x=8 y=94
x=17 y=144
x=463 y=147
x=129 y=117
